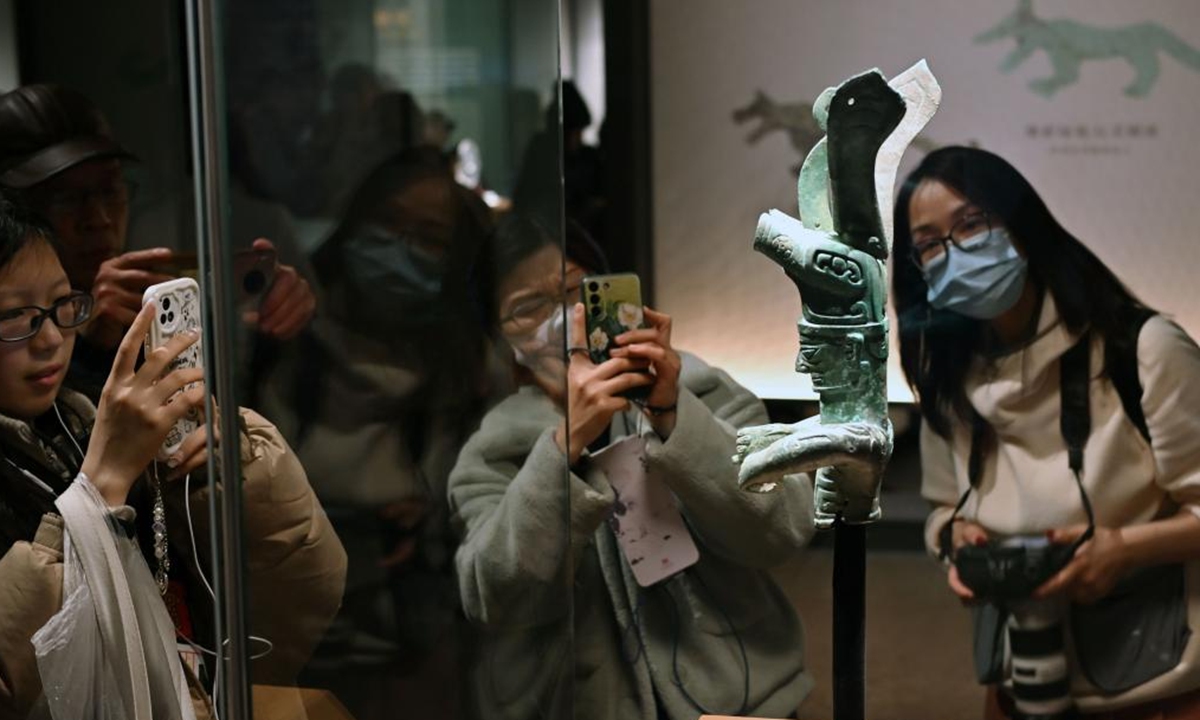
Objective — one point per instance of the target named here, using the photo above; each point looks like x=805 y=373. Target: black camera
x=1012 y=569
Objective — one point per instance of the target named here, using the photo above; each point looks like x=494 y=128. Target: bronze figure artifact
x=836 y=257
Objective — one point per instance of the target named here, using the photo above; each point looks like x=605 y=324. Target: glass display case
x=429 y=484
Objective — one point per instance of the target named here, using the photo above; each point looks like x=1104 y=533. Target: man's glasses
x=24 y=322
x=111 y=196
x=926 y=251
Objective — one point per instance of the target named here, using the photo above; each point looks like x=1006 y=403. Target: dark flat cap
x=46 y=129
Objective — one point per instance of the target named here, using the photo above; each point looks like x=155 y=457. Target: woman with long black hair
x=1058 y=424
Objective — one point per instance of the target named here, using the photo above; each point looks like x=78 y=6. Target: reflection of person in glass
x=1017 y=341
x=719 y=636
x=388 y=383
x=71 y=470
x=58 y=152
x=578 y=184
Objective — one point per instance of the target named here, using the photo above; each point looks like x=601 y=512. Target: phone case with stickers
x=646 y=519
x=178 y=310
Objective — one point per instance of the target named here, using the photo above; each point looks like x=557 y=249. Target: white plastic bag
x=109 y=653
x=69 y=656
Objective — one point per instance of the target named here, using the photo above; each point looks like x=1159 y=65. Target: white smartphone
x=178 y=310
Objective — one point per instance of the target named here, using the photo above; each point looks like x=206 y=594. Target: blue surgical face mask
x=392 y=270
x=981 y=279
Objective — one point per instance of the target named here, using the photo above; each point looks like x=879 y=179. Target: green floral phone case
x=612 y=305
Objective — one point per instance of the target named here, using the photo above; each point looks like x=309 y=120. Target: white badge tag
x=645 y=517
x=192 y=658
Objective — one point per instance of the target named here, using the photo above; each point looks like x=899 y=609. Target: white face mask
x=981 y=280
x=546 y=339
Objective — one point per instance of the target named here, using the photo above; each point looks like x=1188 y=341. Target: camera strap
x=1075 y=425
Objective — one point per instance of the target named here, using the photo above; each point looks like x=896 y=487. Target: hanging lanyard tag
x=645 y=518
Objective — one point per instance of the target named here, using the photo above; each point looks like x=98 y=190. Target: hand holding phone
x=118 y=287
x=594 y=393
x=613 y=306
x=253 y=273
x=616 y=330
x=177 y=312
x=133 y=404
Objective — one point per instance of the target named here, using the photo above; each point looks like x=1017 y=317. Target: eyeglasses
x=111 y=196
x=924 y=252
x=529 y=313
x=24 y=322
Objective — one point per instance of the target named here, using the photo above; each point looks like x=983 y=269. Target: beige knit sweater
x=1026 y=486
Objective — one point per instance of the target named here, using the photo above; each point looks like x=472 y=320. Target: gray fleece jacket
x=539 y=569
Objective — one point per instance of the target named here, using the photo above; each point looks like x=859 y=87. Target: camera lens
x=593 y=286
x=254 y=282
x=594 y=299
x=595 y=312
x=171 y=316
x=166 y=303
x=162 y=319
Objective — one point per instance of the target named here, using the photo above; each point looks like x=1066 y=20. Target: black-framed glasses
x=23 y=323
x=926 y=251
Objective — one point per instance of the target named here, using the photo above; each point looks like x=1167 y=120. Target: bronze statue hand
x=753 y=439
x=850 y=458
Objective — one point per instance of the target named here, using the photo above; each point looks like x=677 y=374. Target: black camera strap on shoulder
x=1075 y=425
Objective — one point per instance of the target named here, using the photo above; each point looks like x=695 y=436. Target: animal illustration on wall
x=794 y=118
x=1069 y=44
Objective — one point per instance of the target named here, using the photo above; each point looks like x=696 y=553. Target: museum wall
x=1116 y=168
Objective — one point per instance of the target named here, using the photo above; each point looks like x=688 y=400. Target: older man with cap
x=58 y=153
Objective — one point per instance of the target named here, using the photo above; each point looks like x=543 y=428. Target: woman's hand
x=193 y=451
x=964 y=532
x=1096 y=567
x=653 y=345
x=594 y=392
x=137 y=409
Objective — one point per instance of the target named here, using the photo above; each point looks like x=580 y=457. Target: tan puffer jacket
x=296 y=566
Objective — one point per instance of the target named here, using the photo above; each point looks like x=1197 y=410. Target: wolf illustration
x=796 y=119
x=1069 y=44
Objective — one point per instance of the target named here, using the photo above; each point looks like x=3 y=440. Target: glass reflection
x=686 y=637
x=94 y=499
x=379 y=395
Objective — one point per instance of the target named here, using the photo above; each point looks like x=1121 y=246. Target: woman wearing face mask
x=386 y=386
x=71 y=476
x=1020 y=345
x=533 y=507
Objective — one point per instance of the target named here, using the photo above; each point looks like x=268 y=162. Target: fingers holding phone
x=653 y=345
x=132 y=418
x=288 y=302
x=118 y=289
x=193 y=452
x=595 y=392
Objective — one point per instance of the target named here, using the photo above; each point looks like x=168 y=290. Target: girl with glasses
x=85 y=517
x=540 y=518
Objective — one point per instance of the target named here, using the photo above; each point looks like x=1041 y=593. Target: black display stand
x=849 y=620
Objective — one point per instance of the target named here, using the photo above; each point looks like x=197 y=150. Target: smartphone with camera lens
x=253 y=273
x=177 y=304
x=612 y=305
